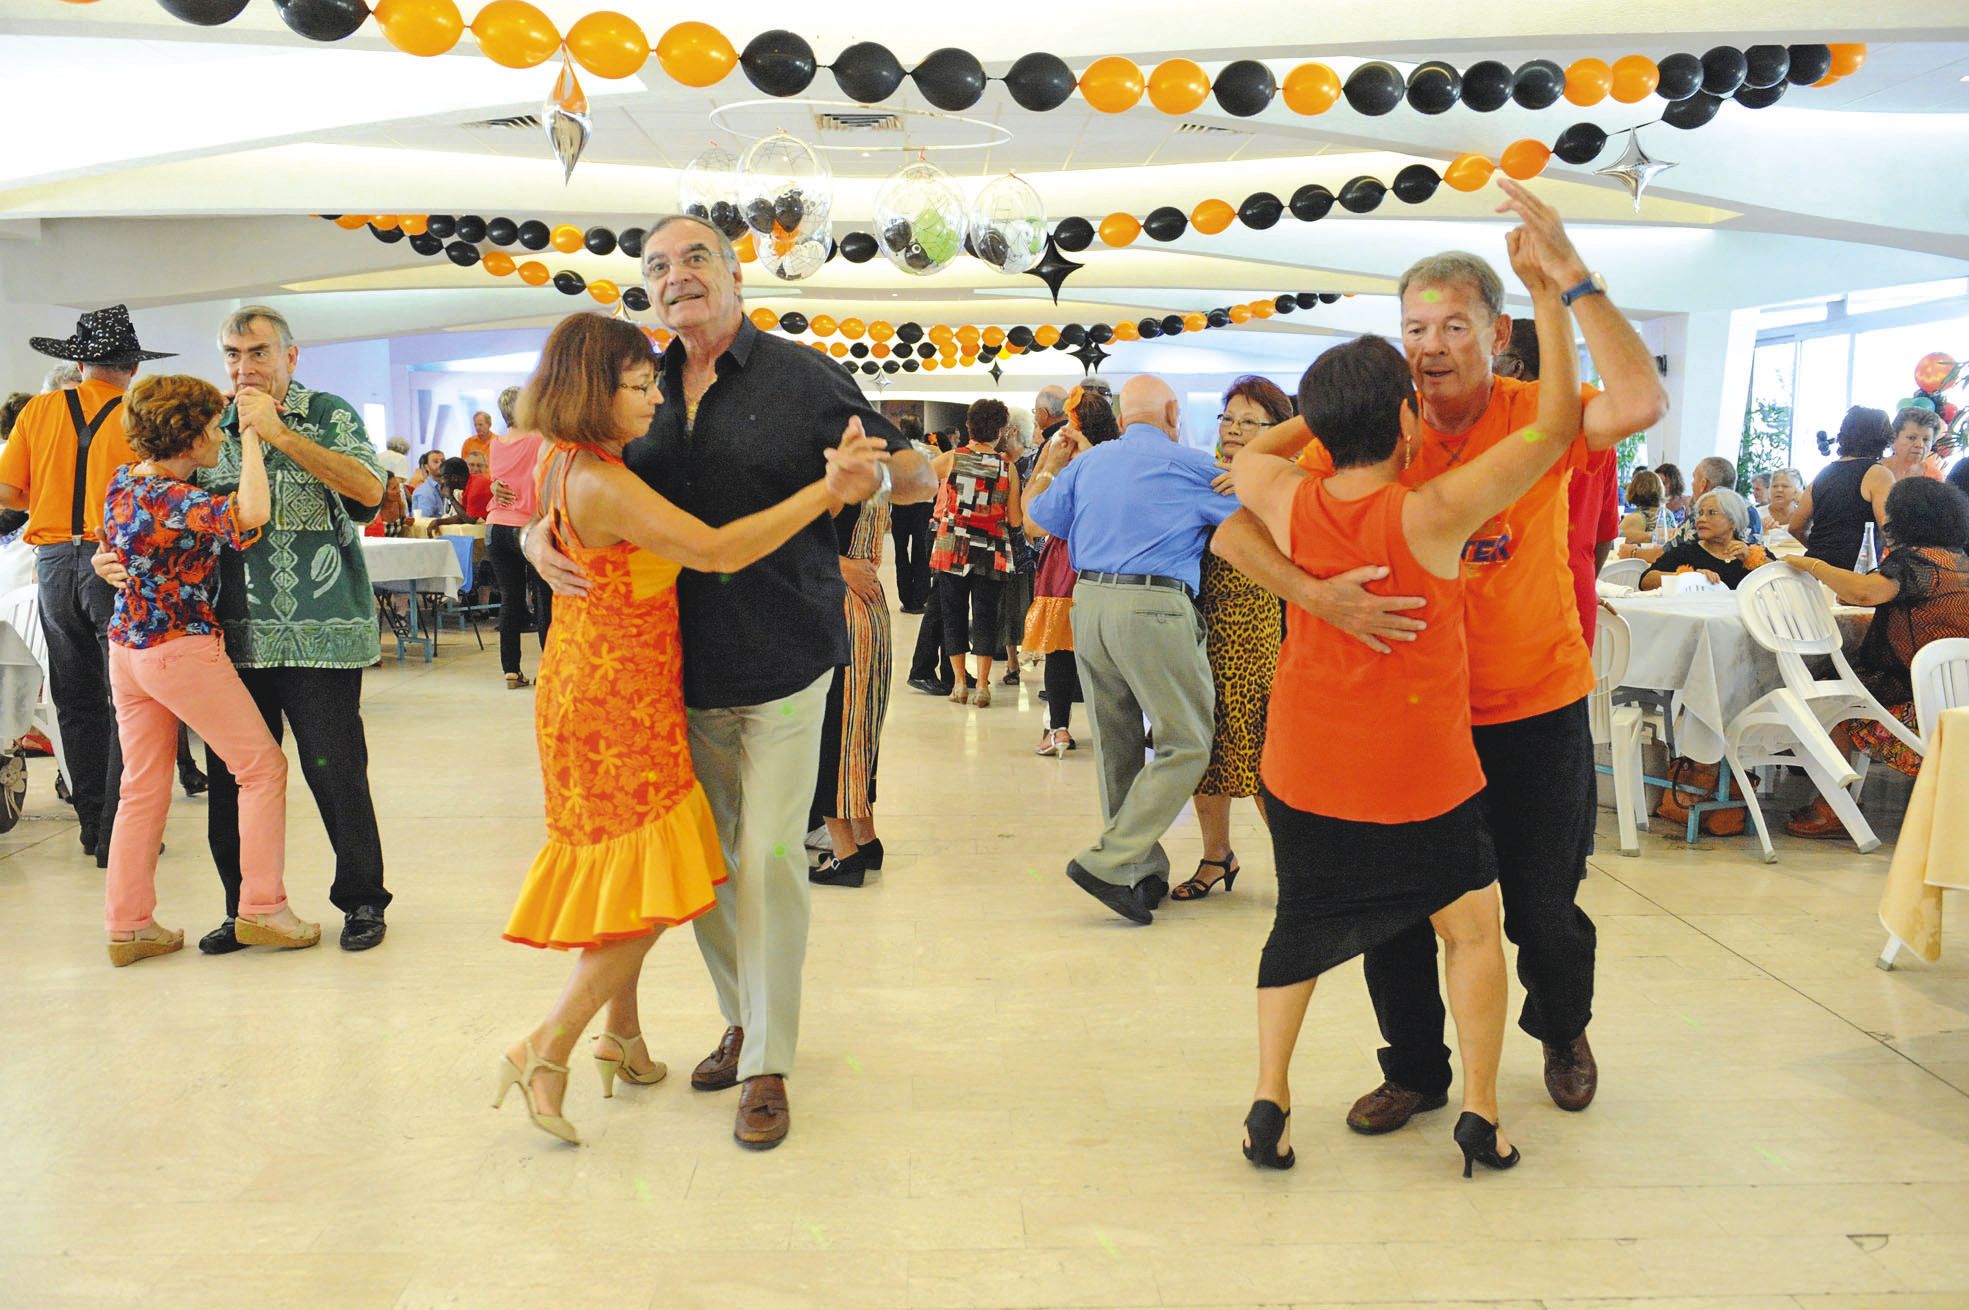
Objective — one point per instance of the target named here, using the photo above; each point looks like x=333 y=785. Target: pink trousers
x=190 y=680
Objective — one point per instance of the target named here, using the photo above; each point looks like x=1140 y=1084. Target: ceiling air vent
x=852 y=122
x=527 y=121
x=1205 y=129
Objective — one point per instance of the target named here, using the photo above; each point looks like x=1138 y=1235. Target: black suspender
x=85 y=432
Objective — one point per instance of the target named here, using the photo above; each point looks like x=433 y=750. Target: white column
x=1709 y=356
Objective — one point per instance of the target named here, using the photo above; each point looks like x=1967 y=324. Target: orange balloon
x=608 y=44
x=1635 y=78
x=1178 y=86
x=880 y=350
x=968 y=337
x=1112 y=85
x=764 y=319
x=420 y=27
x=1011 y=349
x=1240 y=313
x=1468 y=172
x=352 y=222
x=1847 y=58
x=929 y=366
x=604 y=291
x=696 y=54
x=1263 y=308
x=515 y=34
x=567 y=238
x=1827 y=80
x=853 y=328
x=880 y=330
x=968 y=360
x=497 y=262
x=1311 y=89
x=1588 y=81
x=1195 y=321
x=1212 y=216
x=747 y=251
x=994 y=337
x=942 y=335
x=413 y=225
x=839 y=349
x=1127 y=331
x=1525 y=159
x=822 y=325
x=1046 y=337
x=534 y=273
x=383 y=222
x=1119 y=229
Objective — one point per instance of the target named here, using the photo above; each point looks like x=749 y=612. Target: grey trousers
x=1141 y=654
x=757 y=764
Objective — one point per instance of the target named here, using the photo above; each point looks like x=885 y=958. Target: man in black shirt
x=747 y=420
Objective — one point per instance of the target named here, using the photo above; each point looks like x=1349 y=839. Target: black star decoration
x=996 y=372
x=1054 y=269
x=1090 y=357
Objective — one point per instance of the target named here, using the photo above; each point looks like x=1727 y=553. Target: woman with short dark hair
x=977 y=507
x=1049 y=622
x=1848 y=493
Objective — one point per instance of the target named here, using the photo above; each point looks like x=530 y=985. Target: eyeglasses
x=644 y=387
x=1710 y=512
x=1245 y=425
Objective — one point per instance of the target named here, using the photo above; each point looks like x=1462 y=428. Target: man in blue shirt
x=1137 y=513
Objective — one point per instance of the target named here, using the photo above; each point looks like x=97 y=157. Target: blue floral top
x=169 y=535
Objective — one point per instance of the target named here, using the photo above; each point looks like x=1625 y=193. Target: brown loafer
x=1388 y=1107
x=1571 y=1074
x=719 y=1070
x=1816 y=820
x=762 y=1114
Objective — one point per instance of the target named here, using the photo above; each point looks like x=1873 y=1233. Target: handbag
x=1690 y=783
x=1055 y=576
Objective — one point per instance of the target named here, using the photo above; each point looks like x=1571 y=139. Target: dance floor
x=1006 y=1096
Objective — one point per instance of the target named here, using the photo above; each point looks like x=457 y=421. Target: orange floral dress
x=631 y=843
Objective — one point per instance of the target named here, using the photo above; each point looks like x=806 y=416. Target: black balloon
x=471 y=228
x=1434 y=87
x=859 y=247
x=891 y=366
x=1073 y=334
x=569 y=283
x=909 y=333
x=780 y=63
x=1100 y=334
x=323 y=20
x=1768 y=65
x=951 y=79
x=1218 y=318
x=1040 y=82
x=1172 y=325
x=859 y=350
x=534 y=234
x=1723 y=70
x=988 y=351
x=1416 y=183
x=206 y=13
x=1244 y=87
x=1809 y=64
x=599 y=241
x=426 y=244
x=630 y=240
x=502 y=231
x=926 y=350
x=1538 y=84
x=1374 y=89
x=728 y=218
x=1149 y=329
x=635 y=298
x=389 y=236
x=1165 y=223
x=1073 y=234
x=1761 y=97
x=867 y=72
x=1329 y=297
x=1362 y=195
x=462 y=253
x=1311 y=203
x=1580 y=144
x=442 y=226
x=1487 y=86
x=793 y=322
x=910 y=366
x=1307 y=299
x=1020 y=336
x=1693 y=112
x=1680 y=76
x=1260 y=210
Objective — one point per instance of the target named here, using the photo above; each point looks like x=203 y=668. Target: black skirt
x=1345 y=887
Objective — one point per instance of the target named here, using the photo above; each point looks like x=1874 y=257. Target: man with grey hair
x=1530 y=671
x=62 y=377
x=1712 y=474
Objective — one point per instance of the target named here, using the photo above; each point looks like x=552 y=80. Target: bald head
x=1146 y=398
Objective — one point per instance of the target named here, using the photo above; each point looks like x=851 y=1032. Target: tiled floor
x=1006 y=1096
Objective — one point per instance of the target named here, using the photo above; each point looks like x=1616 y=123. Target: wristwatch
x=886 y=482
x=1594 y=285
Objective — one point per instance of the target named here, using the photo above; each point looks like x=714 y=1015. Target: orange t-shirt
x=39 y=458
x=483 y=445
x=1527 y=656
x=1355 y=735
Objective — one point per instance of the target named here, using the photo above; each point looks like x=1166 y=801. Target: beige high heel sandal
x=511 y=1075
x=254 y=931
x=165 y=941
x=610 y=1070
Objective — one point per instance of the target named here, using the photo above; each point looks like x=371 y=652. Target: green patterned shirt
x=299 y=597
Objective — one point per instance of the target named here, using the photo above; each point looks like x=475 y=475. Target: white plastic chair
x=1941 y=682
x=1618 y=727
x=1785 y=612
x=21 y=608
x=1624 y=572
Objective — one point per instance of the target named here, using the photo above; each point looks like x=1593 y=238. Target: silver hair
x=1797 y=478
x=508 y=399
x=240 y=322
x=401 y=445
x=62 y=376
x=1732 y=505
x=1760 y=480
x=1020 y=418
x=661 y=221
x=1052 y=399
x=1454 y=268
x=1717 y=471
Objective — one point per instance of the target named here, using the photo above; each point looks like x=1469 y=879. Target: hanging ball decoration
x=636 y=298
x=413 y=225
x=1172 y=325
x=1020 y=336
x=1362 y=195
x=1588 y=81
x=533 y=273
x=1046 y=337
x=598 y=241
x=1100 y=334
x=1212 y=216
x=498 y=263
x=1245 y=87
x=951 y=79
x=440 y=225
x=608 y=44
x=426 y=244
x=1218 y=318
x=910 y=366
x=1580 y=144
x=1487 y=86
x=416 y=27
x=535 y=235
x=867 y=72
x=1932 y=371
x=1260 y=210
x=501 y=231
x=858 y=247
x=1120 y=229
x=1285 y=304
x=1538 y=85
x=785 y=190
x=1040 y=82
x=779 y=63
x=909 y=333
x=514 y=34
x=919 y=219
x=1007 y=225
x=793 y=322
x=209 y=13
x=1073 y=234
x=1468 y=172
x=1723 y=70
x=696 y=54
x=796 y=261
x=1178 y=86
x=389 y=236
x=1375 y=89
x=630 y=241
x=1434 y=87
x=567 y=238
x=1416 y=183
x=1679 y=77
x=1525 y=159
x=1195 y=321
x=1808 y=64
x=1127 y=332
x=1754 y=97
x=1635 y=78
x=1149 y=329
x=1311 y=89
x=1165 y=223
x=470 y=227
x=1073 y=334
x=1847 y=58
x=858 y=350
x=331 y=20
x=604 y=292
x=1766 y=66
x=1112 y=84
x=1307 y=299
x=569 y=283
x=708 y=190
x=1692 y=113
x=1311 y=203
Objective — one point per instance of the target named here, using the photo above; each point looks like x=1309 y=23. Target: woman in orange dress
x=631 y=845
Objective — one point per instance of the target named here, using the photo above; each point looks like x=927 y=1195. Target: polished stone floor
x=1006 y=1096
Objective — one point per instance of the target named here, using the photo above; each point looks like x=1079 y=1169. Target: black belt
x=1139 y=580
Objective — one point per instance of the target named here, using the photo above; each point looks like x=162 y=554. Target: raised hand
x=853 y=467
x=258 y=412
x=1542 y=226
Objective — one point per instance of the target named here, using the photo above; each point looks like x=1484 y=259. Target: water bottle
x=1659 y=532
x=1869 y=559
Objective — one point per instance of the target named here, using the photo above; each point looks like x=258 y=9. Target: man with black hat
x=57 y=466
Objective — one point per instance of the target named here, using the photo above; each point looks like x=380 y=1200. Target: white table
x=413 y=564
x=20 y=686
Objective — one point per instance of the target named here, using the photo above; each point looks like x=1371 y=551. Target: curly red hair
x=165 y=416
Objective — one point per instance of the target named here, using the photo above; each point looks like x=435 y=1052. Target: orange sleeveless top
x=1356 y=735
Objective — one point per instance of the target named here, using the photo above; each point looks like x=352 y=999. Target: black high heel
x=871 y=854
x=837 y=872
x=1478 y=1138
x=1196 y=888
x=1266 y=1124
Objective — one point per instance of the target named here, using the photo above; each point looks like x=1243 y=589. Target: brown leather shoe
x=1817 y=820
x=1571 y=1075
x=762 y=1114
x=1388 y=1107
x=719 y=1070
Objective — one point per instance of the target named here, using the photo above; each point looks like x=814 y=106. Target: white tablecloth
x=20 y=686
x=432 y=561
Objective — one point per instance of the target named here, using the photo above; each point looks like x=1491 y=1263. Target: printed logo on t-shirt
x=1492 y=545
